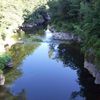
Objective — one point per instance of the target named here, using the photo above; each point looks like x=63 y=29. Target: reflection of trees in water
x=88 y=89
x=18 y=53
x=6 y=95
x=71 y=56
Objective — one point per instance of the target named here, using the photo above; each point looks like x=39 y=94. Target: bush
x=4 y=59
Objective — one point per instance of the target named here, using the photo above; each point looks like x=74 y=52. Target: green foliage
x=19 y=51
x=36 y=15
x=64 y=9
x=4 y=59
x=13 y=12
x=81 y=17
x=1 y=72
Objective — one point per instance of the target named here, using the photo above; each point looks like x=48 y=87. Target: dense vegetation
x=81 y=17
x=14 y=12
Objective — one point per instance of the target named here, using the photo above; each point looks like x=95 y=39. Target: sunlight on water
x=48 y=35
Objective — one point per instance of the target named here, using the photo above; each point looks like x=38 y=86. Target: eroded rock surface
x=93 y=71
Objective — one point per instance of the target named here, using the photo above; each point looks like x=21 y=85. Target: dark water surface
x=48 y=71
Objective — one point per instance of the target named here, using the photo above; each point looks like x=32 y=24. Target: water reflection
x=88 y=88
x=71 y=57
x=18 y=52
x=70 y=54
x=48 y=71
x=6 y=95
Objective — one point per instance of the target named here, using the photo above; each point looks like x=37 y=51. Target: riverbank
x=89 y=58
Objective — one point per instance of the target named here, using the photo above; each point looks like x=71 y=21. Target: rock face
x=2 y=79
x=62 y=36
x=93 y=71
x=40 y=22
x=65 y=36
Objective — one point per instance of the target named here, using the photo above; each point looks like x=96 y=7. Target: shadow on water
x=69 y=54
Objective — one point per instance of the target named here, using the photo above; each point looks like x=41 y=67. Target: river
x=48 y=69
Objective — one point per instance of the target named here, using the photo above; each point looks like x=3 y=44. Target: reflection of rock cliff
x=88 y=89
x=71 y=56
x=93 y=70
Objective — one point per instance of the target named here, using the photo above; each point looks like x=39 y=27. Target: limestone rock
x=2 y=79
x=93 y=71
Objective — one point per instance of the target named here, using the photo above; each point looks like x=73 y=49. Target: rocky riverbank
x=63 y=36
x=93 y=71
x=54 y=35
x=66 y=36
x=31 y=26
x=92 y=68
